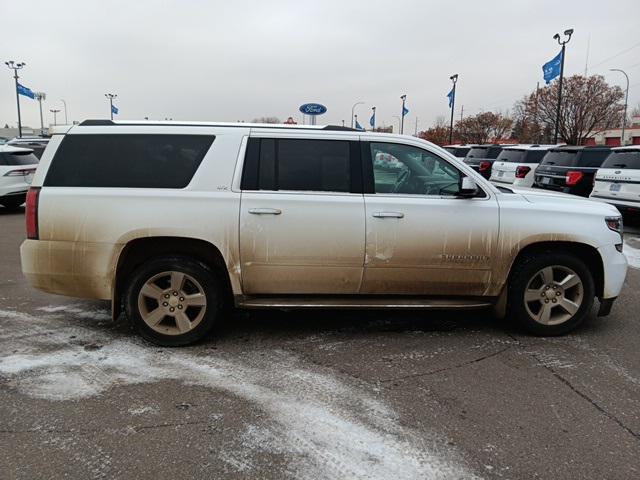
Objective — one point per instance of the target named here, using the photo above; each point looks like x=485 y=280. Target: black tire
x=204 y=278
x=525 y=271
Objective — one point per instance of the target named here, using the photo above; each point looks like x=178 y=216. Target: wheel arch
x=139 y=250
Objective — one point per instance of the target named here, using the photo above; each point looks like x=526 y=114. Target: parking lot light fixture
x=626 y=103
x=568 y=32
x=40 y=96
x=55 y=115
x=111 y=96
x=454 y=80
x=15 y=66
x=353 y=111
x=66 y=121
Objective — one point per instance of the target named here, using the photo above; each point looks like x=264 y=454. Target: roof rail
x=340 y=128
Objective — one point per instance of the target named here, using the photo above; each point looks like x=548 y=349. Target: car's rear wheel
x=173 y=301
x=550 y=293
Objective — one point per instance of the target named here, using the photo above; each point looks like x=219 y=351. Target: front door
x=301 y=218
x=421 y=238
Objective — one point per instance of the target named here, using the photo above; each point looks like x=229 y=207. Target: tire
x=173 y=301
x=559 y=289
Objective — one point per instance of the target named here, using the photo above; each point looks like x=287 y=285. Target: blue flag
x=22 y=90
x=358 y=126
x=372 y=120
x=114 y=109
x=451 y=95
x=405 y=110
x=551 y=69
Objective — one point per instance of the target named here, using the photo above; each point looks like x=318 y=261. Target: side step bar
x=361 y=303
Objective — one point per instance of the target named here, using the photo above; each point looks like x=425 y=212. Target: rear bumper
x=615 y=271
x=76 y=269
x=616 y=202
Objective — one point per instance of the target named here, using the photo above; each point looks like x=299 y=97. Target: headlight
x=614 y=223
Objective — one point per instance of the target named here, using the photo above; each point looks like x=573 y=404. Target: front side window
x=403 y=169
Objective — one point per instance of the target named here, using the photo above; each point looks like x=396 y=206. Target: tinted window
x=560 y=158
x=403 y=169
x=623 y=159
x=534 y=156
x=303 y=165
x=459 y=152
x=21 y=158
x=478 y=152
x=493 y=152
x=515 y=156
x=121 y=160
x=593 y=158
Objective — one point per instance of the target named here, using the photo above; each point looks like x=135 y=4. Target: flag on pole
x=372 y=120
x=451 y=96
x=551 y=69
x=22 y=90
x=114 y=109
x=358 y=126
x=405 y=110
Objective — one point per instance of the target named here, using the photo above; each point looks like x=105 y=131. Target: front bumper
x=615 y=270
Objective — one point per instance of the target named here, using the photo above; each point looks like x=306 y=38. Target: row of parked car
x=18 y=162
x=601 y=173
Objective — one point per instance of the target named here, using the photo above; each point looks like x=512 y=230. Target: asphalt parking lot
x=313 y=395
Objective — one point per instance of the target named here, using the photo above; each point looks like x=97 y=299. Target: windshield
x=560 y=158
x=628 y=159
x=515 y=156
x=15 y=158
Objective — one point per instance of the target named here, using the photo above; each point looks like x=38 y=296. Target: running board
x=357 y=303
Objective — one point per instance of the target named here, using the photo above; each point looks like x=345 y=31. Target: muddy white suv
x=175 y=222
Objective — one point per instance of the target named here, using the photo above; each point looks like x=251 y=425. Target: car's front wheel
x=550 y=293
x=173 y=301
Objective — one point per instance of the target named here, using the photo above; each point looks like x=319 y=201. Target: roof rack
x=105 y=123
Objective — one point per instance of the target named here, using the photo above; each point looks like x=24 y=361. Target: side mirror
x=468 y=188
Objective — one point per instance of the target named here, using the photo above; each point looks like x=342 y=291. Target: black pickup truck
x=570 y=169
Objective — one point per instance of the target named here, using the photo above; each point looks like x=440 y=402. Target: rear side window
x=18 y=158
x=560 y=158
x=298 y=165
x=592 y=158
x=515 y=156
x=623 y=159
x=477 y=153
x=127 y=160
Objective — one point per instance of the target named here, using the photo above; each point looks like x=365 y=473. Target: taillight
x=521 y=172
x=484 y=166
x=573 y=178
x=31 y=214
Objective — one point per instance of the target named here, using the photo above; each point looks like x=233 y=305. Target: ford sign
x=313 y=109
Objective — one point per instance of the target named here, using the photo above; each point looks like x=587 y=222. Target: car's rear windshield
x=623 y=159
x=18 y=158
x=592 y=158
x=459 y=152
x=515 y=156
x=127 y=160
x=484 y=152
x=560 y=158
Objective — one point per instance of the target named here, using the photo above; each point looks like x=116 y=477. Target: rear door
x=301 y=215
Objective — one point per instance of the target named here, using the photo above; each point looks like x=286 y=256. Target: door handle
x=388 y=215
x=265 y=211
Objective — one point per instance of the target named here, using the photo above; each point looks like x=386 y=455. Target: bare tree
x=266 y=120
x=483 y=127
x=589 y=105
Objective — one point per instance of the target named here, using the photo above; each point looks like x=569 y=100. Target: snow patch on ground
x=632 y=253
x=325 y=427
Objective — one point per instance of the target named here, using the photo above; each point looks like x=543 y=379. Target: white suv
x=17 y=166
x=517 y=165
x=618 y=180
x=176 y=221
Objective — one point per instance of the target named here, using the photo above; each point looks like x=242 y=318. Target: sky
x=242 y=59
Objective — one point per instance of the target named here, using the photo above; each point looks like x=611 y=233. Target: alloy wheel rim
x=554 y=295
x=172 y=303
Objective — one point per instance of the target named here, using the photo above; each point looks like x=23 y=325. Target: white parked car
x=174 y=222
x=17 y=166
x=517 y=165
x=618 y=180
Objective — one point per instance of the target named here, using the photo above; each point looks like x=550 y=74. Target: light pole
x=353 y=111
x=568 y=33
x=403 y=98
x=66 y=122
x=110 y=96
x=396 y=116
x=40 y=96
x=626 y=101
x=15 y=67
x=55 y=115
x=373 y=118
x=454 y=80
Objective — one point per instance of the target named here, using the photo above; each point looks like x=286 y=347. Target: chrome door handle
x=265 y=211
x=388 y=215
